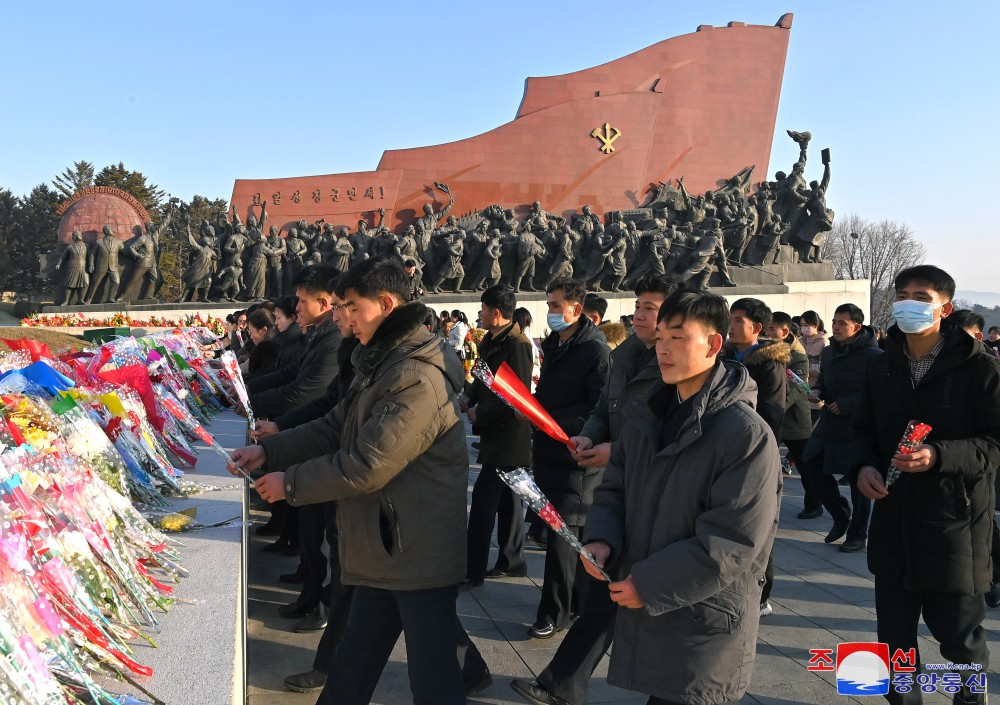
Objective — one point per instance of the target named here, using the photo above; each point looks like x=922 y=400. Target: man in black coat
x=929 y=542
x=575 y=365
x=633 y=371
x=281 y=391
x=505 y=443
x=843 y=365
x=766 y=361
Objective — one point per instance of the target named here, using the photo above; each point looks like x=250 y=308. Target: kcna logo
x=863 y=668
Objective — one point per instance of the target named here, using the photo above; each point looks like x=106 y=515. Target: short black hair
x=595 y=304
x=703 y=306
x=572 y=290
x=938 y=279
x=994 y=329
x=755 y=309
x=502 y=298
x=780 y=318
x=852 y=312
x=315 y=279
x=655 y=284
x=966 y=319
x=375 y=276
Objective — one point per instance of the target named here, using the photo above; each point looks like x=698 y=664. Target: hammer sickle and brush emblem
x=607 y=137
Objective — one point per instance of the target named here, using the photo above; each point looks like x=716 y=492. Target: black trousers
x=565 y=581
x=312 y=531
x=765 y=592
x=433 y=634
x=954 y=620
x=812 y=499
x=569 y=671
x=492 y=499
x=337 y=597
x=862 y=512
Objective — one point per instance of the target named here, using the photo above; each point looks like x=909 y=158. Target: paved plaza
x=821 y=597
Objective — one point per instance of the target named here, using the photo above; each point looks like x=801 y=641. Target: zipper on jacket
x=395 y=524
x=381 y=417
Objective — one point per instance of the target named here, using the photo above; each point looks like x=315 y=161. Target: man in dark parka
x=930 y=535
x=687 y=511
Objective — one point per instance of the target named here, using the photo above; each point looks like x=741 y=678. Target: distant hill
x=989 y=299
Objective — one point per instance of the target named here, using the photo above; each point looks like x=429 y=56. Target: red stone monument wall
x=702 y=106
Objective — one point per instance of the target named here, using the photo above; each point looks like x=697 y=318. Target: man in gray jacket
x=687 y=511
x=393 y=454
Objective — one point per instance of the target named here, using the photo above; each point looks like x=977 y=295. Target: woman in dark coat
x=266 y=349
x=289 y=336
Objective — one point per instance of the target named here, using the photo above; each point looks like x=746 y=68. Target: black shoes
x=542 y=629
x=283 y=546
x=470 y=583
x=295 y=578
x=477 y=684
x=853 y=545
x=497 y=573
x=811 y=513
x=295 y=610
x=314 y=621
x=838 y=530
x=535 y=543
x=535 y=693
x=993 y=596
x=306 y=682
x=271 y=528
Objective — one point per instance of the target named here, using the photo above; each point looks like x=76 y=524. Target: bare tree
x=861 y=249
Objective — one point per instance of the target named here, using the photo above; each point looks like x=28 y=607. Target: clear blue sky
x=196 y=95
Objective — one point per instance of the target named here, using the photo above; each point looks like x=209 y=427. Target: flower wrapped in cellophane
x=913 y=436
x=523 y=485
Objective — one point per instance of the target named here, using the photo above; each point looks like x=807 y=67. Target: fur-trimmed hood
x=401 y=335
x=767 y=351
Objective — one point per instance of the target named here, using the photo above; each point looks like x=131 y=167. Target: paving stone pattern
x=821 y=597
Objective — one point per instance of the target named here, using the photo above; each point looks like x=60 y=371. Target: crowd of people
x=681 y=418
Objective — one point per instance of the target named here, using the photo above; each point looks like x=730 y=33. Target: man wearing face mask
x=575 y=365
x=930 y=535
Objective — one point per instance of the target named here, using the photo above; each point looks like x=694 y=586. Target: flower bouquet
x=506 y=385
x=914 y=435
x=523 y=485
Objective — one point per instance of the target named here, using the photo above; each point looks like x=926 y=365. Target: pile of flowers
x=122 y=320
x=91 y=448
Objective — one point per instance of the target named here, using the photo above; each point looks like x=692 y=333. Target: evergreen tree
x=135 y=183
x=35 y=231
x=77 y=177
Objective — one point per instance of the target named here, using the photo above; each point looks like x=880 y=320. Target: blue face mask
x=556 y=322
x=914 y=316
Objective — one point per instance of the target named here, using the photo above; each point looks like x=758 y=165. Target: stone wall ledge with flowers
x=78 y=323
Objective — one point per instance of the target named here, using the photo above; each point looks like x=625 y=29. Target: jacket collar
x=397 y=327
x=959 y=347
x=512 y=330
x=729 y=383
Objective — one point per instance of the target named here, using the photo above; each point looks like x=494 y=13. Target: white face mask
x=807 y=330
x=914 y=316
